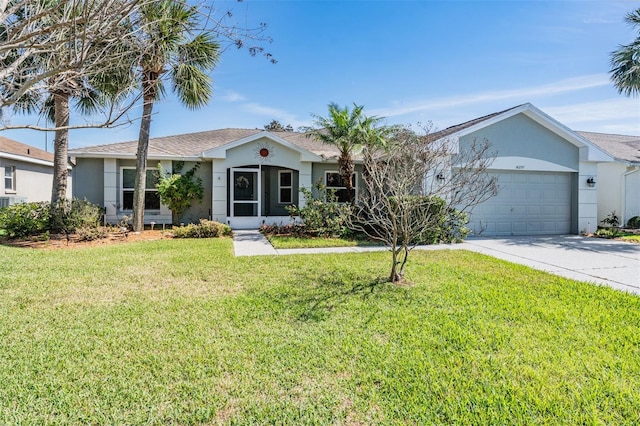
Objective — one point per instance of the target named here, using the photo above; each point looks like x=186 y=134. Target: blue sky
x=410 y=61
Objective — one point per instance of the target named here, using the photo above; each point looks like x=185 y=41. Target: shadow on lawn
x=330 y=292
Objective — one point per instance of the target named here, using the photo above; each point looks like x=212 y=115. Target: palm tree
x=347 y=130
x=625 y=62
x=169 y=51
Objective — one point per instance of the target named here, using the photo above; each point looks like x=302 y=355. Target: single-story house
x=27 y=173
x=547 y=174
x=619 y=181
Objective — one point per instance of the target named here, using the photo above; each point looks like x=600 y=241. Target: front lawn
x=181 y=332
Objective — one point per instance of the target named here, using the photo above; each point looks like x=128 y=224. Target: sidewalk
x=253 y=243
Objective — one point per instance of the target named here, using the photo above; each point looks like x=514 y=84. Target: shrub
x=323 y=216
x=91 y=233
x=204 y=229
x=634 y=222
x=69 y=215
x=295 y=229
x=612 y=220
x=22 y=220
x=607 y=232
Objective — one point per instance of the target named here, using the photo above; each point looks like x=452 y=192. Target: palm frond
x=625 y=69
x=625 y=62
x=192 y=85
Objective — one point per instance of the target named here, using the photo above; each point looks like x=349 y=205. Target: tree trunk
x=346 y=166
x=60 y=147
x=141 y=162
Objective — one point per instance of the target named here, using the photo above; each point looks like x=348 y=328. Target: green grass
x=289 y=242
x=631 y=237
x=181 y=332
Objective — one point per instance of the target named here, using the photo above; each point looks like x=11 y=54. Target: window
x=334 y=181
x=10 y=178
x=285 y=187
x=151 y=197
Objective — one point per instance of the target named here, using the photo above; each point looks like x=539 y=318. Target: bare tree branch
x=415 y=186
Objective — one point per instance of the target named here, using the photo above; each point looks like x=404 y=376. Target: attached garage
x=546 y=174
x=528 y=203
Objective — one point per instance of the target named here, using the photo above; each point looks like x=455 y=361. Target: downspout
x=624 y=193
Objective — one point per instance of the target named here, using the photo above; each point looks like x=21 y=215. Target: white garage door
x=528 y=203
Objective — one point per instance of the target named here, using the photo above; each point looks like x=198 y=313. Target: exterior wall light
x=591 y=182
x=440 y=176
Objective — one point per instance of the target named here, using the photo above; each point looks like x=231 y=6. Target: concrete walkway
x=606 y=262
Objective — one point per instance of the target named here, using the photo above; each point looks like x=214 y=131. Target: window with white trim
x=333 y=180
x=151 y=197
x=10 y=178
x=285 y=187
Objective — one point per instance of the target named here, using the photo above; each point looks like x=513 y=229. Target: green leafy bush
x=178 y=190
x=323 y=216
x=69 y=215
x=204 y=229
x=612 y=220
x=295 y=229
x=607 y=232
x=22 y=220
x=634 y=222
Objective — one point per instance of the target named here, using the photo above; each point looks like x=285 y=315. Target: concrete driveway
x=601 y=261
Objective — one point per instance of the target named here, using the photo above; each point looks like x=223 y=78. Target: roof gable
x=209 y=144
x=220 y=152
x=589 y=151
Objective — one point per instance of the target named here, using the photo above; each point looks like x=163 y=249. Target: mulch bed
x=60 y=241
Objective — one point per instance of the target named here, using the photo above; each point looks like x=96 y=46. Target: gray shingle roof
x=10 y=146
x=194 y=144
x=621 y=147
x=459 y=127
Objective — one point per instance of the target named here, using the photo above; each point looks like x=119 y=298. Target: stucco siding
x=33 y=181
x=610 y=191
x=520 y=136
x=89 y=180
x=632 y=194
x=249 y=154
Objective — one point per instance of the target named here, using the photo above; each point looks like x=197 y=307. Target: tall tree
x=176 y=52
x=625 y=61
x=53 y=53
x=347 y=130
x=276 y=126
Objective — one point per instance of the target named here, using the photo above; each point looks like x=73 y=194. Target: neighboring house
x=250 y=176
x=27 y=173
x=619 y=181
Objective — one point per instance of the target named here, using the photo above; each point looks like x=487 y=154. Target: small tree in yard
x=415 y=186
x=177 y=190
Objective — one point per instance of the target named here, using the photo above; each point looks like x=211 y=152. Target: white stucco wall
x=619 y=190
x=248 y=154
x=32 y=181
x=632 y=194
x=610 y=189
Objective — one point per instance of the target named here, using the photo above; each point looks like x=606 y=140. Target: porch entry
x=259 y=193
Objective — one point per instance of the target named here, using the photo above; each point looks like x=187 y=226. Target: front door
x=245 y=192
